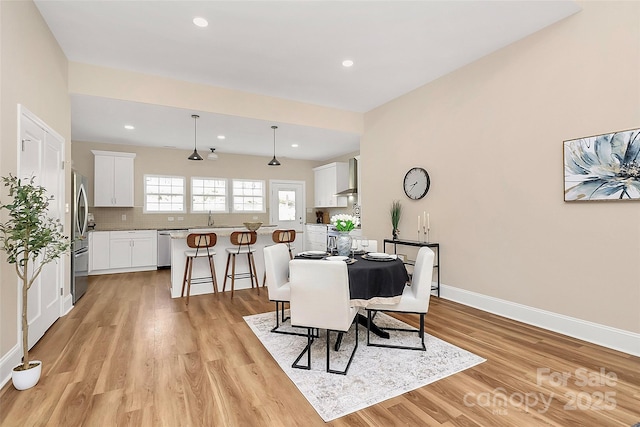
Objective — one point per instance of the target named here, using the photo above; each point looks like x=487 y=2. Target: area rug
x=376 y=374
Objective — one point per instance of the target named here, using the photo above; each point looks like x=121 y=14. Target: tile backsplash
x=136 y=219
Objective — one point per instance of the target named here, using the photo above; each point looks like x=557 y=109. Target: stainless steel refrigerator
x=80 y=243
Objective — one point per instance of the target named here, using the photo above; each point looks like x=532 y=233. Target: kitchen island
x=201 y=267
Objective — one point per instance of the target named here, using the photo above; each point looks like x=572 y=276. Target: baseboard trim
x=606 y=336
x=67 y=305
x=7 y=362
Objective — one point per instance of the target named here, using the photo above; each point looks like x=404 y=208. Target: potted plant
x=31 y=240
x=396 y=213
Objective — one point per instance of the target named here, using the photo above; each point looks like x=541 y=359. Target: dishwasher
x=164 y=247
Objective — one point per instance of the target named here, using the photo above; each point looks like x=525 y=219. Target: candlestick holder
x=426 y=235
x=418 y=235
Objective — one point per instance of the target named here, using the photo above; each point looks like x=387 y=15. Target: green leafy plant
x=30 y=238
x=396 y=213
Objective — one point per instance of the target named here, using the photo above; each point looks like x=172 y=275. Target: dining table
x=373 y=280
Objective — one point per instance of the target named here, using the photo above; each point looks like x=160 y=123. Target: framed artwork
x=603 y=167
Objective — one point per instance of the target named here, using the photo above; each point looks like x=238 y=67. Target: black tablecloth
x=376 y=279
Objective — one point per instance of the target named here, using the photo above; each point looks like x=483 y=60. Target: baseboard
x=7 y=362
x=606 y=336
x=67 y=305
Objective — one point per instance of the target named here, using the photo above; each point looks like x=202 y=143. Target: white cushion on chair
x=320 y=295
x=415 y=298
x=240 y=250
x=193 y=253
x=276 y=267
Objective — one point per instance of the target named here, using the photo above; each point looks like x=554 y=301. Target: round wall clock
x=416 y=183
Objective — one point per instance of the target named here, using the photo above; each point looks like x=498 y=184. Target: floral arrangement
x=344 y=222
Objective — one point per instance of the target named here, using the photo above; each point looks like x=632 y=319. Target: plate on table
x=378 y=256
x=337 y=258
x=313 y=254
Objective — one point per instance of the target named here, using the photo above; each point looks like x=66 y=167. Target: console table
x=432 y=245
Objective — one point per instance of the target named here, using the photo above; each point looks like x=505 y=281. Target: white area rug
x=376 y=374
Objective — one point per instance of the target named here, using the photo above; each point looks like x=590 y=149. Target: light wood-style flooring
x=129 y=355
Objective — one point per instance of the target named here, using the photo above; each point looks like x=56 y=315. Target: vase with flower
x=344 y=224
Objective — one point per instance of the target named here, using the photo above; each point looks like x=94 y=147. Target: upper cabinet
x=113 y=179
x=329 y=180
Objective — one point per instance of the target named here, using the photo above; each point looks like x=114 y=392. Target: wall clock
x=416 y=183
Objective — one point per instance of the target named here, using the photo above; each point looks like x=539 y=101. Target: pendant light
x=274 y=161
x=212 y=155
x=195 y=155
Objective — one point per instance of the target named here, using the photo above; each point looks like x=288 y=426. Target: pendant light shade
x=195 y=155
x=274 y=161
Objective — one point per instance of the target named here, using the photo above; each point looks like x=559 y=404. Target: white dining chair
x=371 y=247
x=276 y=268
x=415 y=299
x=320 y=299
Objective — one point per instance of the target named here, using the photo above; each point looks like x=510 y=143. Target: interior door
x=41 y=156
x=286 y=204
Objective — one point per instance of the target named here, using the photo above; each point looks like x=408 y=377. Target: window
x=208 y=194
x=163 y=193
x=286 y=205
x=248 y=196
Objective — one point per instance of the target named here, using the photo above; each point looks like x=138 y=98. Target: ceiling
x=286 y=49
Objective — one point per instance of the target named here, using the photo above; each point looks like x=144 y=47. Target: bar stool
x=281 y=236
x=243 y=241
x=200 y=244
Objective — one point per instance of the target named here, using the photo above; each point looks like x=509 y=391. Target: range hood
x=353 y=179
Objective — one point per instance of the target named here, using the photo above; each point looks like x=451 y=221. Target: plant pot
x=23 y=380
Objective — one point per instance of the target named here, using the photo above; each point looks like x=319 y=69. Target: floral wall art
x=603 y=167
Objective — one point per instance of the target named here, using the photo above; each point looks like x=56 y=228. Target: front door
x=286 y=205
x=41 y=156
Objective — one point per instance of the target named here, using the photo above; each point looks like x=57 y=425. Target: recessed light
x=294 y=145
x=200 y=22
x=221 y=137
x=347 y=63
x=129 y=127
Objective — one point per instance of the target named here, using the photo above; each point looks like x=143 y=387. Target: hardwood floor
x=129 y=355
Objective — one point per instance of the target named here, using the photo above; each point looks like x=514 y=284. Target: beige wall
x=34 y=74
x=119 y=84
x=165 y=161
x=491 y=136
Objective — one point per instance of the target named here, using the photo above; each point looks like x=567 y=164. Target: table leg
x=363 y=321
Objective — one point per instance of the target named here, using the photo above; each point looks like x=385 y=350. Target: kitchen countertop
x=194 y=227
x=223 y=231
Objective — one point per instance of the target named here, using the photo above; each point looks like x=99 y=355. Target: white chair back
x=373 y=246
x=320 y=295
x=276 y=267
x=422 y=275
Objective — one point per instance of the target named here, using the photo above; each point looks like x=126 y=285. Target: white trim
x=113 y=154
x=7 y=362
x=606 y=336
x=67 y=305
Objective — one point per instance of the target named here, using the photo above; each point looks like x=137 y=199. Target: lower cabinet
x=125 y=250
x=315 y=237
x=99 y=250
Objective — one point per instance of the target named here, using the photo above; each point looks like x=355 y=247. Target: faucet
x=210 y=220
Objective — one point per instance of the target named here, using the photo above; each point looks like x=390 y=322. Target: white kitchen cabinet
x=329 y=180
x=98 y=250
x=131 y=249
x=123 y=251
x=113 y=179
x=315 y=237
